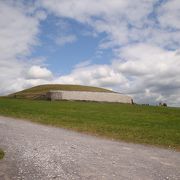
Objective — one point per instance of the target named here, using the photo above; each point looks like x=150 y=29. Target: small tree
x=164 y=104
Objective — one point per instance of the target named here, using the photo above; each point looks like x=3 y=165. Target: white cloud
x=37 y=72
x=95 y=75
x=41 y=15
x=169 y=14
x=83 y=64
x=107 y=16
x=124 y=21
x=84 y=10
x=16 y=34
x=65 y=39
x=19 y=27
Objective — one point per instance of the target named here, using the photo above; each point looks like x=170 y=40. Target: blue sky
x=132 y=47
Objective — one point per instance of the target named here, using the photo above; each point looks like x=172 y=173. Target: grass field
x=158 y=126
x=1 y=154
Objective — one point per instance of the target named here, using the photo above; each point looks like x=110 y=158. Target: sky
x=132 y=47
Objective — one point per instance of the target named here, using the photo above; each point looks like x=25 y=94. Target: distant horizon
x=130 y=47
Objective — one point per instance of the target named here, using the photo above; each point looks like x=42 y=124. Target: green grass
x=1 y=154
x=158 y=126
x=39 y=91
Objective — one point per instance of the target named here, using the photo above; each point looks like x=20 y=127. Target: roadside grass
x=158 y=126
x=1 y=154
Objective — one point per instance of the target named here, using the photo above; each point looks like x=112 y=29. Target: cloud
x=37 y=72
x=152 y=69
x=102 y=8
x=83 y=64
x=124 y=22
x=66 y=39
x=169 y=14
x=15 y=33
x=112 y=17
x=19 y=27
x=96 y=75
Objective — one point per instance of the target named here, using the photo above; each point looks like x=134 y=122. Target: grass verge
x=158 y=126
x=1 y=154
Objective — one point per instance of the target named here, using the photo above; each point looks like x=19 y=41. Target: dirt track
x=40 y=152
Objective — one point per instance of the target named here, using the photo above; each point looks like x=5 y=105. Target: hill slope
x=38 y=92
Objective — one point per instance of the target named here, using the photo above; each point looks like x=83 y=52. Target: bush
x=1 y=154
x=163 y=104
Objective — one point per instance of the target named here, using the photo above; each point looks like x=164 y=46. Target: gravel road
x=38 y=152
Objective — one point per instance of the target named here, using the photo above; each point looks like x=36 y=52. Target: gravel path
x=41 y=152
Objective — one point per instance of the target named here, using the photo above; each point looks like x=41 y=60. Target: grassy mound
x=1 y=154
x=38 y=92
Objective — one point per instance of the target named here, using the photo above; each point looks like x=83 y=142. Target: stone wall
x=89 y=96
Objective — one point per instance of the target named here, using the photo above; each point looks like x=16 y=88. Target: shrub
x=1 y=154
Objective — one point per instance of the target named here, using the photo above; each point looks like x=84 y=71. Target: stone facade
x=89 y=96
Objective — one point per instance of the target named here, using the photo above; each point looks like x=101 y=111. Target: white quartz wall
x=90 y=96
